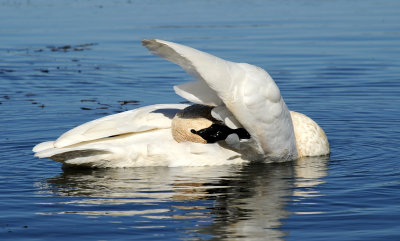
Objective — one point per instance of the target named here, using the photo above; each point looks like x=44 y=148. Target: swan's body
x=239 y=95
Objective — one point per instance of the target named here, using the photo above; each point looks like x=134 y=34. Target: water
x=66 y=62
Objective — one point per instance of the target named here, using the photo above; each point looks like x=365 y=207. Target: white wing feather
x=198 y=92
x=137 y=120
x=268 y=116
x=222 y=113
x=199 y=64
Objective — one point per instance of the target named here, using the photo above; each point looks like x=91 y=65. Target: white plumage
x=243 y=96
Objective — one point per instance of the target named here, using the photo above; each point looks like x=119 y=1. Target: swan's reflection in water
x=231 y=202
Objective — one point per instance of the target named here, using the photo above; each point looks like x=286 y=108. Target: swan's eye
x=219 y=132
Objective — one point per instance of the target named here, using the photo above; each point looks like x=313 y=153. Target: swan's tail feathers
x=72 y=155
x=43 y=146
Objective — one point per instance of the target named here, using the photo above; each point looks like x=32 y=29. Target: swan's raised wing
x=246 y=90
x=198 y=64
x=137 y=120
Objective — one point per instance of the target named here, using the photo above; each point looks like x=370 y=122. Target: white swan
x=252 y=122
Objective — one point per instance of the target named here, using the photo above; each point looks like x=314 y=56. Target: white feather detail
x=198 y=92
x=222 y=113
x=137 y=120
x=233 y=140
x=43 y=146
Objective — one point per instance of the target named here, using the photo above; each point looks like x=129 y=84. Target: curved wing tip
x=43 y=146
x=151 y=43
x=146 y=41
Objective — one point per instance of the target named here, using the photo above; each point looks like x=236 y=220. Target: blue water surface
x=63 y=63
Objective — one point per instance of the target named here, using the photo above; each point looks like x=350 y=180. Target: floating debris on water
x=3 y=71
x=88 y=100
x=108 y=105
x=88 y=104
x=67 y=48
x=43 y=70
x=125 y=102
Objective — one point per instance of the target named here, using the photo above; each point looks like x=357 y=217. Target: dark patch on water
x=68 y=48
x=125 y=102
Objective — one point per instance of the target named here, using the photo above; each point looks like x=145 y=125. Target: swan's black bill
x=218 y=132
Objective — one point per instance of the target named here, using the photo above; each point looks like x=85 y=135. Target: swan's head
x=194 y=117
x=195 y=123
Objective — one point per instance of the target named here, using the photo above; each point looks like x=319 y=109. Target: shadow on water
x=223 y=202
